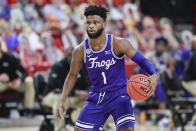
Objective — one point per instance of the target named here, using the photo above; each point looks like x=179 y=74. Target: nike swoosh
x=89 y=55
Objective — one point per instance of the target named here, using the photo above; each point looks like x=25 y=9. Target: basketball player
x=103 y=57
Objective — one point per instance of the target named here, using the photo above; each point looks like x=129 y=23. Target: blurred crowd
x=40 y=34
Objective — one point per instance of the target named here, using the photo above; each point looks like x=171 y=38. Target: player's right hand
x=61 y=110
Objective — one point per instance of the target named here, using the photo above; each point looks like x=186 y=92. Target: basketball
x=138 y=87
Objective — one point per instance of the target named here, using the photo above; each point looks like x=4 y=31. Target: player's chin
x=92 y=35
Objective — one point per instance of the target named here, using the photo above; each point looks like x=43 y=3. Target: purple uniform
x=107 y=95
x=106 y=71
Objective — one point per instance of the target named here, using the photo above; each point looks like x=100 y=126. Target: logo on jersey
x=103 y=63
x=88 y=51
x=89 y=55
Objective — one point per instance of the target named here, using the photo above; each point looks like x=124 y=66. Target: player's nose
x=91 y=29
x=92 y=25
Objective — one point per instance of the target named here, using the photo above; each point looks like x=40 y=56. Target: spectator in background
x=50 y=48
x=17 y=15
x=116 y=12
x=159 y=58
x=54 y=87
x=131 y=11
x=38 y=5
x=76 y=16
x=14 y=77
x=59 y=9
x=115 y=27
x=62 y=38
x=183 y=53
x=186 y=37
x=149 y=31
x=55 y=30
x=189 y=82
x=168 y=33
x=4 y=10
x=10 y=38
x=171 y=81
x=135 y=37
x=32 y=58
x=33 y=38
x=3 y=45
x=69 y=40
x=31 y=15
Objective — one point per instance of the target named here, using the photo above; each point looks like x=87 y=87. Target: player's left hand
x=153 y=83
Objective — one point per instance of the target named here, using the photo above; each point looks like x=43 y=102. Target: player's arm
x=124 y=47
x=76 y=62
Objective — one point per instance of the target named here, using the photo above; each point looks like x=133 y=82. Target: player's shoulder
x=119 y=41
x=79 y=50
x=80 y=47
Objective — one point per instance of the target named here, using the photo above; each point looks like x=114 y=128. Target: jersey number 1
x=104 y=78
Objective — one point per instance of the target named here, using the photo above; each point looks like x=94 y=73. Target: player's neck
x=98 y=41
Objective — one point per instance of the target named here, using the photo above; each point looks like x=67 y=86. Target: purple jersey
x=105 y=70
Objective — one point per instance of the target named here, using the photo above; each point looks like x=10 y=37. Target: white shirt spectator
x=131 y=11
x=33 y=39
x=69 y=40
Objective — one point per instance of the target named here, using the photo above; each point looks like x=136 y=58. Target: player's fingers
x=58 y=112
x=61 y=113
x=151 y=91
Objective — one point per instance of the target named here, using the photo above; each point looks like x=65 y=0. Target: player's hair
x=96 y=10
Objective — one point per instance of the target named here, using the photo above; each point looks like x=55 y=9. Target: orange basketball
x=138 y=87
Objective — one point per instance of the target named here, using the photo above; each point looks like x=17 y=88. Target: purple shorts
x=99 y=106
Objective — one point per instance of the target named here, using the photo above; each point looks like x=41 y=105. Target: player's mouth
x=91 y=31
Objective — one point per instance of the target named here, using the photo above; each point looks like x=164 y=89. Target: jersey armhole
x=112 y=49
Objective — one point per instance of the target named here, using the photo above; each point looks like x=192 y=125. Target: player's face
x=95 y=26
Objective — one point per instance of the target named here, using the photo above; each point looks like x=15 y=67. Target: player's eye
x=96 y=22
